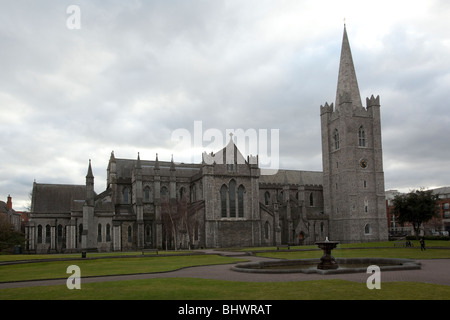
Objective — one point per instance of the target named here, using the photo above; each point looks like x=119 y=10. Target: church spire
x=347 y=82
x=89 y=172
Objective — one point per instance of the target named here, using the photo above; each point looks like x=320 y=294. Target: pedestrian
x=422 y=244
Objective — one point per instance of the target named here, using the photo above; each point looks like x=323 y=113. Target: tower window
x=266 y=198
x=336 y=139
x=362 y=137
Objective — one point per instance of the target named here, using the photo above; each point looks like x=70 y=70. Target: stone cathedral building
x=227 y=203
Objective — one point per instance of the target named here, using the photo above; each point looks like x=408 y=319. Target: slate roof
x=56 y=198
x=3 y=207
x=124 y=168
x=293 y=177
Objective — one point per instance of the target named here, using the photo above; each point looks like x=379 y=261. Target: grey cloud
x=138 y=70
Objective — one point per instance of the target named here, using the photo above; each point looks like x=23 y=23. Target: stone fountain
x=327 y=261
x=327 y=264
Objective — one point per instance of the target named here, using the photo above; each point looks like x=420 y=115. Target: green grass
x=19 y=257
x=405 y=253
x=194 y=289
x=106 y=266
x=380 y=244
x=202 y=289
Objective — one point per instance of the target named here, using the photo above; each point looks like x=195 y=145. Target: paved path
x=434 y=271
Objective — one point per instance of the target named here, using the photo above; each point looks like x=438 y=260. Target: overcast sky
x=136 y=71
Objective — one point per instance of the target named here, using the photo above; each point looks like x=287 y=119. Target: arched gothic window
x=126 y=195
x=80 y=231
x=39 y=234
x=311 y=199
x=241 y=191
x=182 y=193
x=223 y=200
x=362 y=137
x=147 y=194
x=266 y=198
x=47 y=233
x=164 y=193
x=148 y=233
x=336 y=139
x=266 y=230
x=367 y=229
x=99 y=232
x=60 y=233
x=108 y=232
x=232 y=199
x=130 y=234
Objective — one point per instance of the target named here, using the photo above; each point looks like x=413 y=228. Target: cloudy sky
x=136 y=71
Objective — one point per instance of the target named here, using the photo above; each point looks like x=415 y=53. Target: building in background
x=438 y=226
x=14 y=217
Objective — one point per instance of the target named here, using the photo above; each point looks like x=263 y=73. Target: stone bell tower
x=353 y=177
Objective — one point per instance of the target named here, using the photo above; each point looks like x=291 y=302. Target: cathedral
x=228 y=203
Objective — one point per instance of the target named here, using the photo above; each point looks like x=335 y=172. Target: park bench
x=283 y=246
x=404 y=244
x=149 y=250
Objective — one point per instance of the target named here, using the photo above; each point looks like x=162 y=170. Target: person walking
x=422 y=244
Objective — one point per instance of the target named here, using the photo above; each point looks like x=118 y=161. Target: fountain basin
x=345 y=265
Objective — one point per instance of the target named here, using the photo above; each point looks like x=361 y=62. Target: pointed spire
x=89 y=173
x=156 y=163
x=138 y=162
x=347 y=82
x=172 y=165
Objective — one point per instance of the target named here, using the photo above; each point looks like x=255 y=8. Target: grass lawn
x=202 y=289
x=195 y=289
x=404 y=253
x=112 y=266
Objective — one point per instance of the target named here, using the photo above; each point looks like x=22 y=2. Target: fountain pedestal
x=327 y=261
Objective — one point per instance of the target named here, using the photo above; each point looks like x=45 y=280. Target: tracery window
x=232 y=199
x=223 y=201
x=336 y=139
x=147 y=194
x=362 y=137
x=126 y=195
x=241 y=191
x=266 y=198
x=99 y=232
